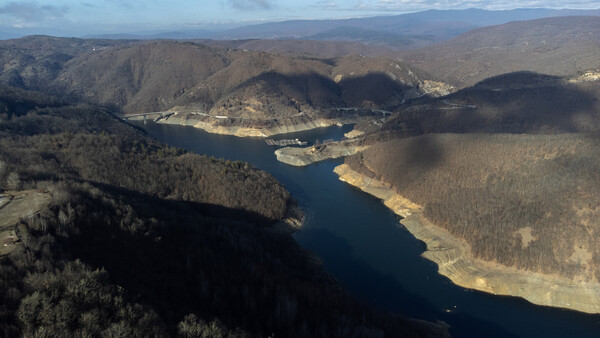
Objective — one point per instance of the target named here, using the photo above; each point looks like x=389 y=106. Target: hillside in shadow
x=510 y=165
x=145 y=240
x=135 y=77
x=521 y=102
x=272 y=94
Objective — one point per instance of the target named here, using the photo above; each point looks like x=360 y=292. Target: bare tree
x=2 y=174
x=13 y=182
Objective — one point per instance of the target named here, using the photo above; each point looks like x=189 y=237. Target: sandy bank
x=304 y=156
x=257 y=128
x=454 y=259
x=354 y=133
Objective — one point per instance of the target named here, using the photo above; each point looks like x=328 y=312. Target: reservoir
x=363 y=246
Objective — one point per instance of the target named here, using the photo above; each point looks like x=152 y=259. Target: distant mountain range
x=399 y=31
x=523 y=201
x=406 y=31
x=556 y=46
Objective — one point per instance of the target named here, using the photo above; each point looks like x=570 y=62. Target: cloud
x=326 y=4
x=250 y=4
x=385 y=7
x=127 y=4
x=30 y=11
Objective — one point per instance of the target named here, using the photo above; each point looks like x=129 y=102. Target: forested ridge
x=560 y=46
x=528 y=201
x=142 y=239
x=510 y=165
x=146 y=76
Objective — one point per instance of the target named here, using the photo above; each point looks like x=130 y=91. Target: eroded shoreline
x=254 y=129
x=304 y=156
x=454 y=259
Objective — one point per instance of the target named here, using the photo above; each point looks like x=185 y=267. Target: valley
x=114 y=232
x=449 y=152
x=365 y=246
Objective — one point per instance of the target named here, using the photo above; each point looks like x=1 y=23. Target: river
x=362 y=244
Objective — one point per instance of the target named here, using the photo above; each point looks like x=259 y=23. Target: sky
x=82 y=17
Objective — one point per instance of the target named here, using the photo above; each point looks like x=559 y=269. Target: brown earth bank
x=521 y=205
x=455 y=261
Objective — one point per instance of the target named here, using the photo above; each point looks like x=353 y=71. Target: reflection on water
x=362 y=245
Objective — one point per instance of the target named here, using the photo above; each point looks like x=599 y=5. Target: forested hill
x=520 y=102
x=560 y=46
x=524 y=201
x=32 y=62
x=510 y=166
x=138 y=239
x=146 y=76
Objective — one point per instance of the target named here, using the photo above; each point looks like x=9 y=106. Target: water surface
x=362 y=244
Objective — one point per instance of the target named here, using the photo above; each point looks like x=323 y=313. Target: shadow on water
x=367 y=284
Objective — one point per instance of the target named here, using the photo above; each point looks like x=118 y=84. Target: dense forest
x=134 y=238
x=146 y=76
x=560 y=46
x=145 y=240
x=529 y=201
x=509 y=164
x=520 y=102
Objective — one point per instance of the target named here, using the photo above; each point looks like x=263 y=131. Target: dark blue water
x=363 y=246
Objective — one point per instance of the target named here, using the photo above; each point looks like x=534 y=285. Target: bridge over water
x=156 y=116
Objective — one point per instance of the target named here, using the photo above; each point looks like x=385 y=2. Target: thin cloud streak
x=30 y=11
x=80 y=17
x=418 y=5
x=250 y=4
